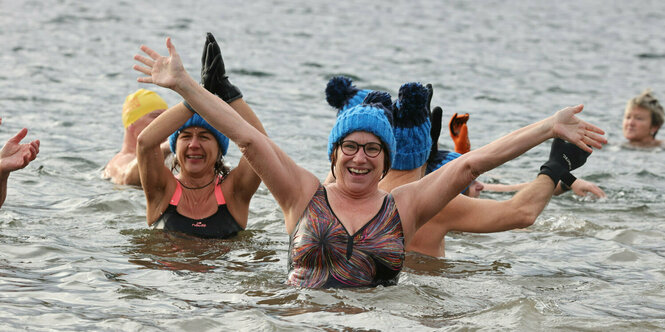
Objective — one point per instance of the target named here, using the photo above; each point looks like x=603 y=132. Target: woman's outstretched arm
x=421 y=200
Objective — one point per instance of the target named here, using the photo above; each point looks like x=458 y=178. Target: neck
x=354 y=196
x=129 y=142
x=194 y=183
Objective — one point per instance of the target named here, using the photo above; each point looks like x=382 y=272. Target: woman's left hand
x=581 y=133
x=163 y=71
x=582 y=188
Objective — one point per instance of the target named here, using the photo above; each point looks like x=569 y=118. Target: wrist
x=568 y=179
x=189 y=107
x=185 y=85
x=553 y=170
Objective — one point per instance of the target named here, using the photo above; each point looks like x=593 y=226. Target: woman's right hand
x=581 y=133
x=163 y=71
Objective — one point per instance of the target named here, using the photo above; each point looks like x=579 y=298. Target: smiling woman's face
x=358 y=171
x=197 y=149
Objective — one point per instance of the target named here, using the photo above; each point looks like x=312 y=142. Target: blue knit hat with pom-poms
x=371 y=116
x=342 y=94
x=412 y=127
x=197 y=121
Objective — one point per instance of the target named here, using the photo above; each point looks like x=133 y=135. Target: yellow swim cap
x=139 y=104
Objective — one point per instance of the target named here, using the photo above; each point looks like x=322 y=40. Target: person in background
x=15 y=156
x=206 y=198
x=139 y=110
x=415 y=130
x=351 y=233
x=642 y=119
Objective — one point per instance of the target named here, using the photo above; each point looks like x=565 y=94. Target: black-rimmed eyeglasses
x=371 y=149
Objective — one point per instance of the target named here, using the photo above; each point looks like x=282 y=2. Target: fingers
x=169 y=46
x=577 y=109
x=461 y=119
x=594 y=140
x=210 y=38
x=583 y=145
x=150 y=52
x=19 y=136
x=598 y=192
x=430 y=93
x=210 y=55
x=436 y=124
x=594 y=129
x=34 y=148
x=204 y=55
x=147 y=71
x=144 y=60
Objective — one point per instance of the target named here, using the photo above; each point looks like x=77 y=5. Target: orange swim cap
x=139 y=104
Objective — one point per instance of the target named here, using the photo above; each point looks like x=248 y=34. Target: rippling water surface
x=75 y=251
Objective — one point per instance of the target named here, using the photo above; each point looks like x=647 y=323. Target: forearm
x=3 y=186
x=217 y=112
x=529 y=202
x=509 y=146
x=154 y=135
x=457 y=174
x=496 y=187
x=246 y=112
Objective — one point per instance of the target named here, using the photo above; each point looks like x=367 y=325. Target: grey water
x=75 y=250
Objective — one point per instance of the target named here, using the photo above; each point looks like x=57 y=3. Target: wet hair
x=648 y=102
x=220 y=167
x=333 y=159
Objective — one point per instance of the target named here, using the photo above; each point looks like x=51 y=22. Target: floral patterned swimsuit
x=322 y=254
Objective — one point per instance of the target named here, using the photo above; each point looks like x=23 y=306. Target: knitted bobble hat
x=197 y=121
x=369 y=117
x=342 y=94
x=412 y=127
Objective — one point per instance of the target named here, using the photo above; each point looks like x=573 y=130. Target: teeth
x=195 y=157
x=359 y=171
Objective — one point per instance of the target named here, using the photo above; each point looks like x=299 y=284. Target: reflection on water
x=425 y=265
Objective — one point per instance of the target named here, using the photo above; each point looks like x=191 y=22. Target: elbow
x=525 y=218
x=469 y=169
x=142 y=142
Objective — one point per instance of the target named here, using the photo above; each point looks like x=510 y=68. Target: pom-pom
x=339 y=90
x=410 y=108
x=379 y=97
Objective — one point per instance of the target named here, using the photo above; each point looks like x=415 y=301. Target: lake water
x=75 y=250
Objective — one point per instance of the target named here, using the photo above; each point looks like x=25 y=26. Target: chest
x=197 y=206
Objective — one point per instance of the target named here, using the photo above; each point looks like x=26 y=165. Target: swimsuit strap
x=218 y=193
x=175 y=199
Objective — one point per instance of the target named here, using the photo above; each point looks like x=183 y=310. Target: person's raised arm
x=215 y=80
x=150 y=154
x=445 y=183
x=291 y=185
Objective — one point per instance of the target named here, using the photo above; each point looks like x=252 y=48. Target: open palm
x=14 y=155
x=161 y=70
x=581 y=133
